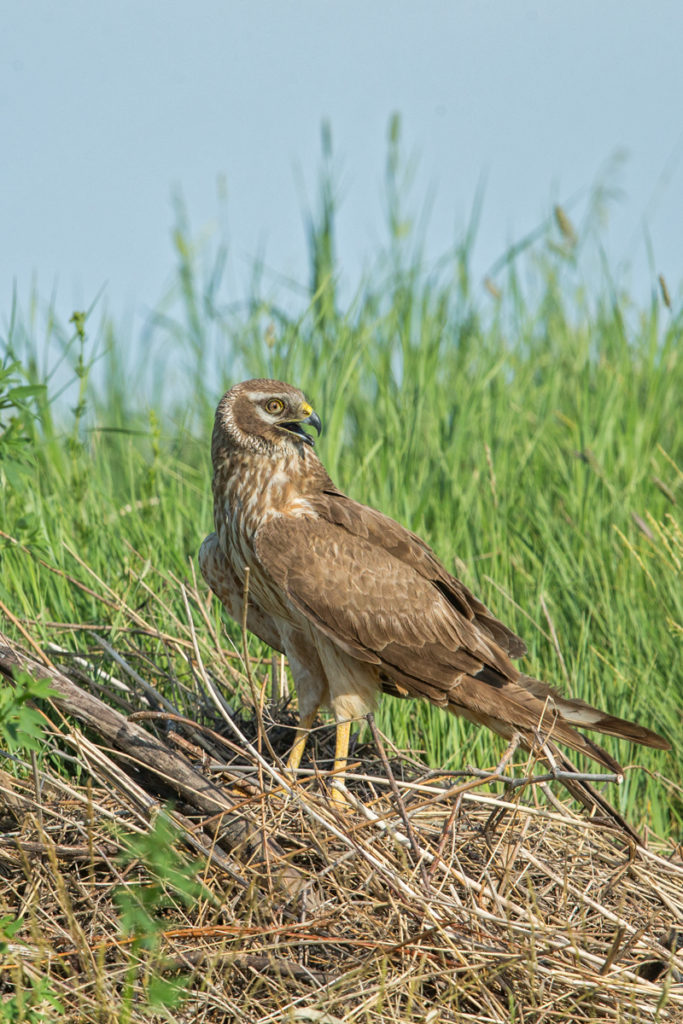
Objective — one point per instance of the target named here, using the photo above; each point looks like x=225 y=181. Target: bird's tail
x=528 y=705
x=572 y=714
x=541 y=716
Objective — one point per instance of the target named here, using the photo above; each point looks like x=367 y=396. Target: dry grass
x=436 y=898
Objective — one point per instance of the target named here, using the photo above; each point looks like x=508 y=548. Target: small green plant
x=22 y=726
x=146 y=910
x=35 y=1004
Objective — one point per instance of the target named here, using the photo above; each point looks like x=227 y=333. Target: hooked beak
x=296 y=427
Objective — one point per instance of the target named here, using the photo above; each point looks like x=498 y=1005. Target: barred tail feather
x=580 y=714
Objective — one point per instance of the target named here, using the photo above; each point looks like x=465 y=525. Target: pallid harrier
x=359 y=604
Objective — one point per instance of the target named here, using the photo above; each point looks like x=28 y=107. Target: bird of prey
x=359 y=604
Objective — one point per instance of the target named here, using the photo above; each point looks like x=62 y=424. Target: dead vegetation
x=430 y=898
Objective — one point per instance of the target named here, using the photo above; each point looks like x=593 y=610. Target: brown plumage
x=358 y=603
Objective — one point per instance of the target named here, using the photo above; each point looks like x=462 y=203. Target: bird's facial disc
x=290 y=418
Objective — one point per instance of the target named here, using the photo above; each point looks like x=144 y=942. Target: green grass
x=533 y=438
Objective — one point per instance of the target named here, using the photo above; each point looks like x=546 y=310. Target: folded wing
x=387 y=611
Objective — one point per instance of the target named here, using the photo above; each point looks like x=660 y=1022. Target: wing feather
x=405 y=546
x=376 y=606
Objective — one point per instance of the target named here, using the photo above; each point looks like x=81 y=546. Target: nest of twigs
x=424 y=898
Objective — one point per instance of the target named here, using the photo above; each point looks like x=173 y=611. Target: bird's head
x=265 y=416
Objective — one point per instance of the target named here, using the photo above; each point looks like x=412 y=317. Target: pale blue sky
x=106 y=108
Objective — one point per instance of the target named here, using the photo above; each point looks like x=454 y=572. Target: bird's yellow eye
x=274 y=405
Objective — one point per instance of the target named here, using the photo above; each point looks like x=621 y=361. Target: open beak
x=297 y=427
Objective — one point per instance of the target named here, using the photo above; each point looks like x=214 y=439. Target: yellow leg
x=341 y=752
x=297 y=751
